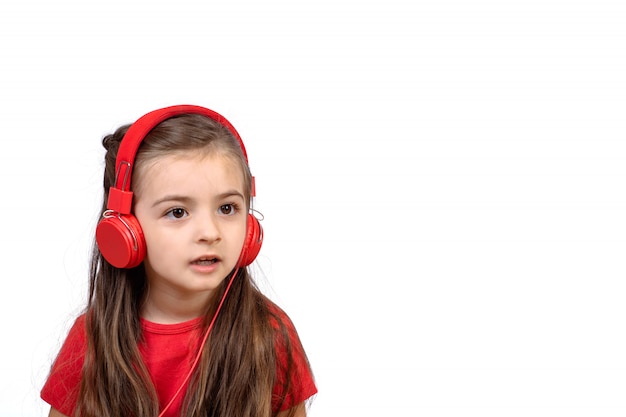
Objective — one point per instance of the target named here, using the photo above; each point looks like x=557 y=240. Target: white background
x=442 y=184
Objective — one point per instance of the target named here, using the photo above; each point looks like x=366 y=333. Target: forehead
x=188 y=171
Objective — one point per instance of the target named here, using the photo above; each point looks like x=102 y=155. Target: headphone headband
x=120 y=196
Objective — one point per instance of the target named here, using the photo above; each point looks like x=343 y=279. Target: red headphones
x=118 y=234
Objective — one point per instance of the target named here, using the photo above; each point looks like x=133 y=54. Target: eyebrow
x=187 y=199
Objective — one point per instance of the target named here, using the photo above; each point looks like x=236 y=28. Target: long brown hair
x=237 y=370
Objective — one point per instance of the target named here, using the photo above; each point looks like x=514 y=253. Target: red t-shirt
x=168 y=352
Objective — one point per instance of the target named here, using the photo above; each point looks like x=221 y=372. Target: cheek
x=156 y=240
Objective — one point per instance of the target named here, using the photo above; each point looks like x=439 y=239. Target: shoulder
x=283 y=326
x=286 y=339
x=294 y=378
x=78 y=328
x=277 y=315
x=75 y=342
x=74 y=346
x=285 y=334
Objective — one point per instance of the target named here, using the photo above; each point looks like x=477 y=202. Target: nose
x=207 y=228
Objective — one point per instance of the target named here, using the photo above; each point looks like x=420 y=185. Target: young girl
x=174 y=324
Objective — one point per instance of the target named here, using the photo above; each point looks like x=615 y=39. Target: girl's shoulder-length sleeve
x=63 y=383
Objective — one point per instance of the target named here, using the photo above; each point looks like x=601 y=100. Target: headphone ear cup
x=121 y=241
x=252 y=244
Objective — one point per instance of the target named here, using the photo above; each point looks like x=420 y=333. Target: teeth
x=205 y=261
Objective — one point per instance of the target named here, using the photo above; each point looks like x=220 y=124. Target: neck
x=167 y=307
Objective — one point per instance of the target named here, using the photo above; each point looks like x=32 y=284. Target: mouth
x=205 y=261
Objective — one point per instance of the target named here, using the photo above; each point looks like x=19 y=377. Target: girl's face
x=192 y=211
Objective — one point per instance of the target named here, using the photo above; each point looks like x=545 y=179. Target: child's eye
x=177 y=213
x=228 y=209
